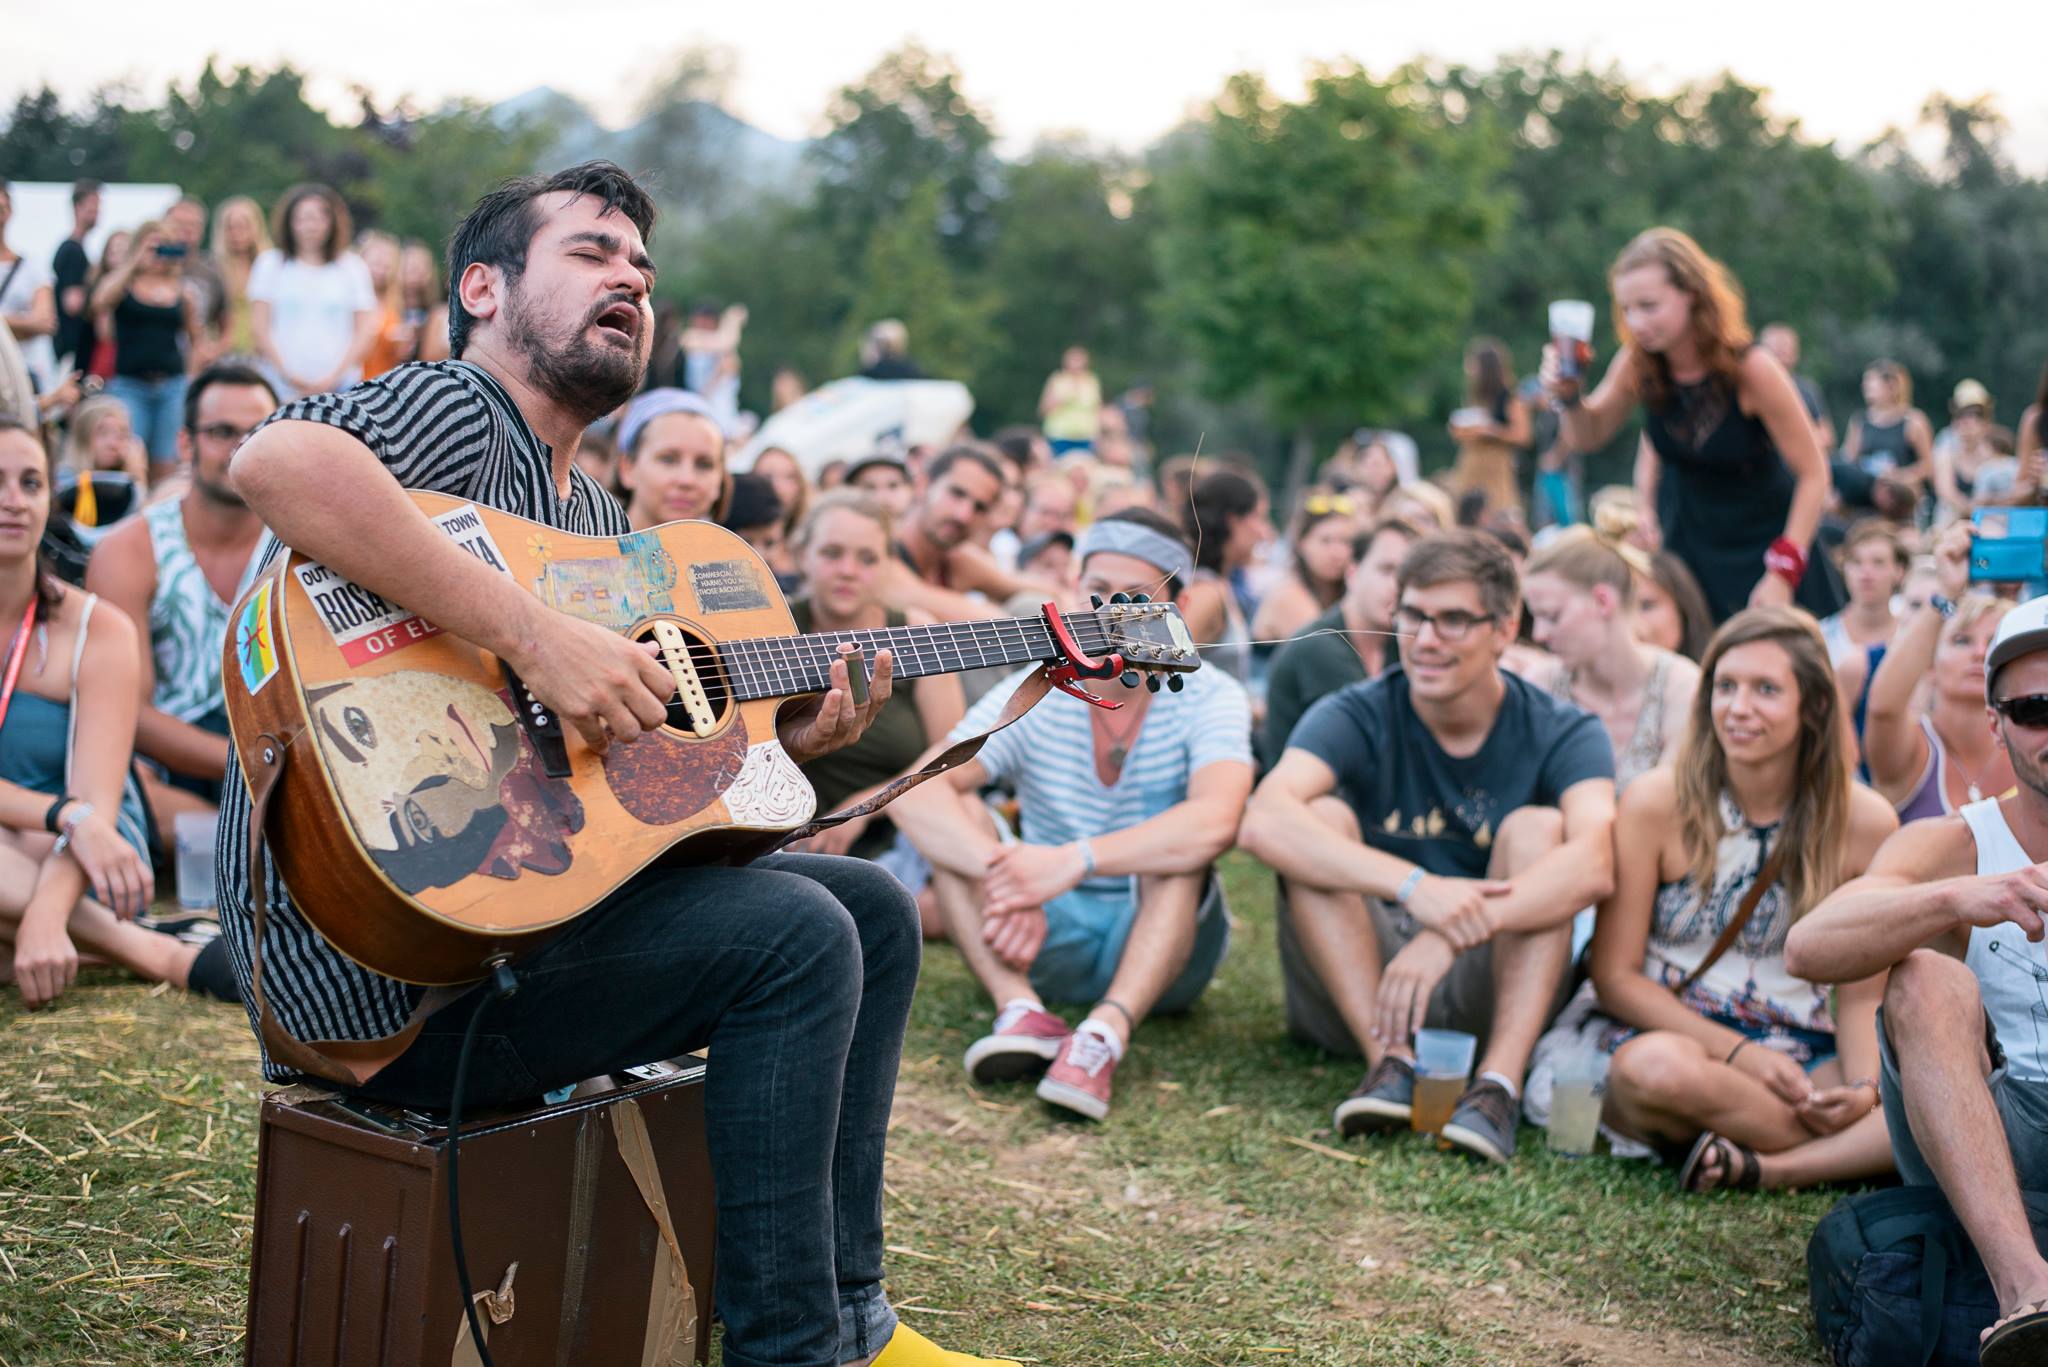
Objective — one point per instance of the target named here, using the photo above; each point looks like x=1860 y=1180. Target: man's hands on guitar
x=833 y=719
x=598 y=682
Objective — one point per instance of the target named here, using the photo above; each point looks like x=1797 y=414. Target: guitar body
x=415 y=821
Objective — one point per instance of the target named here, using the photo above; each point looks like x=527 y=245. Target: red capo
x=1067 y=677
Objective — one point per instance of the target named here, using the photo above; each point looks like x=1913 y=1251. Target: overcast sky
x=1121 y=71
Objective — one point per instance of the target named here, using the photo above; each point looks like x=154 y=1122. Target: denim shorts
x=2022 y=1108
x=155 y=409
x=1085 y=933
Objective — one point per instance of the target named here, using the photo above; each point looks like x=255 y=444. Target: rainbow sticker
x=255 y=649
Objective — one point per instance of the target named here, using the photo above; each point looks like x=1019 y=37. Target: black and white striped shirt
x=447 y=427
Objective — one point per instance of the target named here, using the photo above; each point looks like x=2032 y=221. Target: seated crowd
x=1779 y=876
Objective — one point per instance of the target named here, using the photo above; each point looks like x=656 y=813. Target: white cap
x=2023 y=631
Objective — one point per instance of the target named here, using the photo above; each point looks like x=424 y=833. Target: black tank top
x=1724 y=495
x=1883 y=447
x=146 y=338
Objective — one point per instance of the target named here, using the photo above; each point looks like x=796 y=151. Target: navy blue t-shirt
x=1434 y=809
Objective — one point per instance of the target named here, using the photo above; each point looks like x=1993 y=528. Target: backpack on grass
x=1896 y=1282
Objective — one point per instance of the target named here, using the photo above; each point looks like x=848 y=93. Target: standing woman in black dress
x=1730 y=476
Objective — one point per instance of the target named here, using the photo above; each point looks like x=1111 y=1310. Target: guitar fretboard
x=785 y=666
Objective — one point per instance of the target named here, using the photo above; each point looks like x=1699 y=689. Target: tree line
x=1279 y=270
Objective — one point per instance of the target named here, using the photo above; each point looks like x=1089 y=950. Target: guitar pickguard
x=770 y=790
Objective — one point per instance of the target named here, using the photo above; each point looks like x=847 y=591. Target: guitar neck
x=787 y=666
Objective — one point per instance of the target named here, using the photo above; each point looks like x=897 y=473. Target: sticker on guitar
x=366 y=626
x=437 y=780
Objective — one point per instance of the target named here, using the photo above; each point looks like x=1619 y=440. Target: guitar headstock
x=1127 y=637
x=1151 y=637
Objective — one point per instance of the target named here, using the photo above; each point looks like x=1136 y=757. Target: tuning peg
x=1119 y=598
x=1152 y=682
x=1129 y=678
x=1173 y=681
x=1095 y=599
x=1140 y=598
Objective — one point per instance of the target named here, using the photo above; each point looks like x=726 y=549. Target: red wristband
x=1786 y=560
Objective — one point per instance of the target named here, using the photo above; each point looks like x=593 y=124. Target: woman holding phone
x=1729 y=476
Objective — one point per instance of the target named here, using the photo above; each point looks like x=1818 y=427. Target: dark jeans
x=798 y=972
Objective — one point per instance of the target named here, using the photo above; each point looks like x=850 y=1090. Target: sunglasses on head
x=1319 y=504
x=2029 y=710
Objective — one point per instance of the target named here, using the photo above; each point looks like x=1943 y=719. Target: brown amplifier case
x=352 y=1264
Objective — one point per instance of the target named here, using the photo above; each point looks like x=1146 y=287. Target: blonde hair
x=1974 y=608
x=1583 y=557
x=1720 y=325
x=1897 y=376
x=218 y=234
x=1432 y=498
x=846 y=498
x=86 y=420
x=1815 y=828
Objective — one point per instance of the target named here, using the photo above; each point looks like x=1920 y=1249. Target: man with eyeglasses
x=1437 y=827
x=1953 y=907
x=179 y=567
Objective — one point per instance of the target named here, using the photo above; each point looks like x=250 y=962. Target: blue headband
x=657 y=403
x=1120 y=536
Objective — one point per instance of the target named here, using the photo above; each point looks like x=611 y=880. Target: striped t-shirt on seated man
x=446 y=427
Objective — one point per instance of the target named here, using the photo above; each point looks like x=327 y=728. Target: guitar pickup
x=542 y=726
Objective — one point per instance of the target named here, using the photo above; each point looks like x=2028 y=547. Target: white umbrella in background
x=851 y=418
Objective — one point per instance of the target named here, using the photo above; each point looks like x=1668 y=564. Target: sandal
x=2018 y=1340
x=1737 y=1160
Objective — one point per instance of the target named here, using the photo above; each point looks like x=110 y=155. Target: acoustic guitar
x=429 y=814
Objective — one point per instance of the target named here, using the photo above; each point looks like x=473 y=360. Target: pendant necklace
x=1120 y=746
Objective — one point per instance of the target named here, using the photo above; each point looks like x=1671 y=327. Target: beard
x=217 y=491
x=587 y=379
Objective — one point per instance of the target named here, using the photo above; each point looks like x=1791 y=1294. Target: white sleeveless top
x=2012 y=971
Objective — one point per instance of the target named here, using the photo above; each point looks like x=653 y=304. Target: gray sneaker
x=1384 y=1101
x=1483 y=1125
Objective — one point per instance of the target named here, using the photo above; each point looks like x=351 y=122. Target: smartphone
x=2008 y=545
x=170 y=250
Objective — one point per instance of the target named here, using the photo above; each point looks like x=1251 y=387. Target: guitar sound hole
x=704 y=656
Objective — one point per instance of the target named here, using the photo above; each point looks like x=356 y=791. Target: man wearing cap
x=1106 y=900
x=1953 y=906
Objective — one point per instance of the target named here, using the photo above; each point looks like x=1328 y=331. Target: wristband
x=1409 y=885
x=1740 y=1045
x=1942 y=604
x=1087 y=857
x=1786 y=560
x=50 y=817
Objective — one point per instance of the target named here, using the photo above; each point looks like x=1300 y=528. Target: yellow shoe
x=908 y=1348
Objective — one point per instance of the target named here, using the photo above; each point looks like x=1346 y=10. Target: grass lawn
x=1213 y=1219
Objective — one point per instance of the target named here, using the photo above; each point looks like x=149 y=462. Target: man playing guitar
x=797 y=968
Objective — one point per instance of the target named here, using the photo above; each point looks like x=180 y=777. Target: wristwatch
x=1942 y=604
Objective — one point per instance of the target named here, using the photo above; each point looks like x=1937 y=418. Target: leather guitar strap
x=952 y=757
x=1765 y=877
x=349 y=1063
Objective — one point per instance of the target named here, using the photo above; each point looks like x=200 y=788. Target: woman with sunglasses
x=1768 y=1081
x=1311 y=586
x=1931 y=763
x=1581 y=594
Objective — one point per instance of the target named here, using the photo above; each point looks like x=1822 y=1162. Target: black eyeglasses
x=224 y=432
x=1450 y=626
x=2029 y=710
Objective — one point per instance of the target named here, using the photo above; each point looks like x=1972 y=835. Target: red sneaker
x=1079 y=1077
x=1025 y=1039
